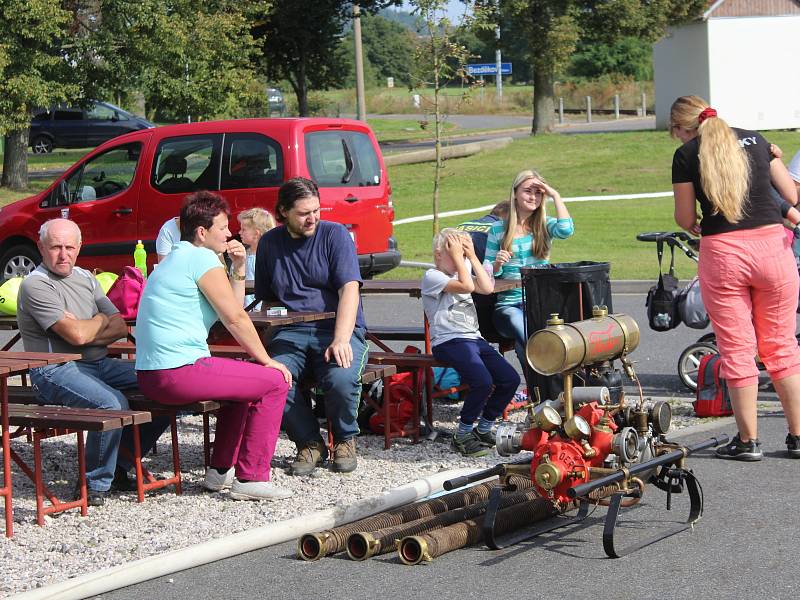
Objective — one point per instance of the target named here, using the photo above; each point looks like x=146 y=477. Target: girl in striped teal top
x=523 y=240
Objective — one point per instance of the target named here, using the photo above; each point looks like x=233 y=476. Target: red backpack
x=712 y=399
x=401 y=406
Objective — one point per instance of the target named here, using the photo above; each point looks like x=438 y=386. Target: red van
x=126 y=188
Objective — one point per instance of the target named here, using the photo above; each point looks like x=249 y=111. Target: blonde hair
x=724 y=167
x=259 y=218
x=440 y=238
x=536 y=222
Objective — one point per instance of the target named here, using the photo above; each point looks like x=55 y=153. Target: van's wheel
x=18 y=261
x=42 y=145
x=689 y=362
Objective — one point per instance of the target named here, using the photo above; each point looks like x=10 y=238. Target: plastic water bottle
x=140 y=258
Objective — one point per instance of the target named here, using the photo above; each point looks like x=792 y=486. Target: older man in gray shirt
x=61 y=308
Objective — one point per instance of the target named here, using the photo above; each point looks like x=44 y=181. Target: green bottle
x=140 y=258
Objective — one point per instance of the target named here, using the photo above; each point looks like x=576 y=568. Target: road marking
x=488 y=207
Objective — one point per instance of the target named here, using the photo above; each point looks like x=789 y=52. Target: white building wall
x=754 y=80
x=681 y=66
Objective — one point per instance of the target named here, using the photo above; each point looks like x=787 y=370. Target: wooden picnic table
x=18 y=363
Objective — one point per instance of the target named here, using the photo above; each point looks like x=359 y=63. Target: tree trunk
x=543 y=105
x=15 y=161
x=302 y=88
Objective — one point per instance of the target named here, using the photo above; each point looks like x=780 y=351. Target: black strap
x=672 y=260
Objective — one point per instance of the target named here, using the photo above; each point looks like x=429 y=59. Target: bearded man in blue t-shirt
x=307 y=264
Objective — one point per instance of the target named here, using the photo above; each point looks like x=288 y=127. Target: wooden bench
x=138 y=401
x=41 y=422
x=138 y=405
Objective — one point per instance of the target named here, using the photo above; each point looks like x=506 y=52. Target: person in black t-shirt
x=747 y=271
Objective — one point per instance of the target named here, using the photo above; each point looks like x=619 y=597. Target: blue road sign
x=488 y=69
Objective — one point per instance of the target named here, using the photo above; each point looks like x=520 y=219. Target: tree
x=299 y=40
x=630 y=56
x=188 y=59
x=388 y=46
x=439 y=58
x=553 y=29
x=33 y=73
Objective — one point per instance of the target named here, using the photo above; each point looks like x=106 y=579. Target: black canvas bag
x=663 y=298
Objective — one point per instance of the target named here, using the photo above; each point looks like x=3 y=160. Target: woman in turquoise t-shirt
x=183 y=298
x=523 y=240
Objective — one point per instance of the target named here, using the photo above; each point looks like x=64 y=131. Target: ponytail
x=724 y=167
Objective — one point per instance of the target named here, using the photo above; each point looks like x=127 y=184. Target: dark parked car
x=66 y=127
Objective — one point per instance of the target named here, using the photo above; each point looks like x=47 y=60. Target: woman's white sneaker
x=216 y=481
x=258 y=490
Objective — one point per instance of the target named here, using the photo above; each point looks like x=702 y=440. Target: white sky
x=455 y=9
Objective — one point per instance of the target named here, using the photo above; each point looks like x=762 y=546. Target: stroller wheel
x=709 y=338
x=689 y=362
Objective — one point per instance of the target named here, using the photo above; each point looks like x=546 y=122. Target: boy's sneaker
x=739 y=450
x=487 y=439
x=468 y=444
x=793 y=445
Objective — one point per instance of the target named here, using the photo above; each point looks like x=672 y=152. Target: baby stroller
x=689 y=360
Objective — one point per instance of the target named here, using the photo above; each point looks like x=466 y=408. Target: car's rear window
x=342 y=159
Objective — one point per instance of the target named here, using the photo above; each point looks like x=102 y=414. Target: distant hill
x=406 y=19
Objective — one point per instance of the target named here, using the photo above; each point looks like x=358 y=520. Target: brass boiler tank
x=564 y=347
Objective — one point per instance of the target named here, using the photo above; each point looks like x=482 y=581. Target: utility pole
x=361 y=103
x=498 y=59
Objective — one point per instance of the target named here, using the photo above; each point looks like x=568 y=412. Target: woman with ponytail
x=523 y=240
x=748 y=275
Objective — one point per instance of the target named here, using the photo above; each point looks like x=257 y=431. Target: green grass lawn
x=576 y=165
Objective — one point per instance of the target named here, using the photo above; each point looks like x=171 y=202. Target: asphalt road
x=743 y=547
x=517 y=127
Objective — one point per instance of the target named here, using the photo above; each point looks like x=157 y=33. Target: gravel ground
x=123 y=530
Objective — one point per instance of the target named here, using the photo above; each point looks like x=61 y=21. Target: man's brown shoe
x=344 y=456
x=309 y=457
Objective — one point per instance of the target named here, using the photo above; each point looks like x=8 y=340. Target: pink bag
x=126 y=292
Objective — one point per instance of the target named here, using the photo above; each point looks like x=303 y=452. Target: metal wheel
x=18 y=261
x=42 y=145
x=689 y=362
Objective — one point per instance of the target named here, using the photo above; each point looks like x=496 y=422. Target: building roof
x=751 y=8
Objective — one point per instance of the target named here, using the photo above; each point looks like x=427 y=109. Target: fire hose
x=313 y=546
x=413 y=550
x=363 y=545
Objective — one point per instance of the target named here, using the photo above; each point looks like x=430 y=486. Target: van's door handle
x=350 y=199
x=122 y=211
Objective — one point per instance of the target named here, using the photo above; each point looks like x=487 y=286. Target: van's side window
x=342 y=159
x=188 y=163
x=251 y=160
x=101 y=176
